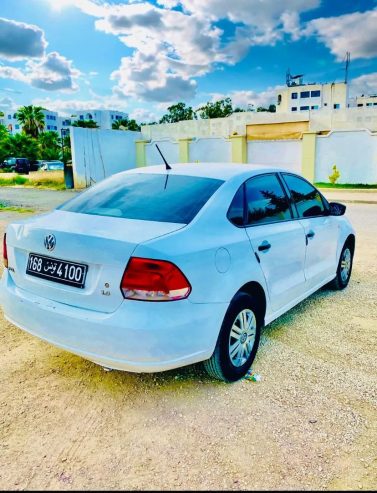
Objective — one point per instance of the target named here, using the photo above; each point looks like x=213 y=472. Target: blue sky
x=142 y=56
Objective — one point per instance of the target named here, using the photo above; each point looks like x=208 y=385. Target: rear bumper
x=138 y=336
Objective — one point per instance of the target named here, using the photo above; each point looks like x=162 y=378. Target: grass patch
x=9 y=208
x=345 y=185
x=12 y=181
x=37 y=179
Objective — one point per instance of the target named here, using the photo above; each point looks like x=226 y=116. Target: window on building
x=315 y=94
x=369 y=104
x=48 y=127
x=305 y=94
x=315 y=107
x=360 y=105
x=304 y=108
x=266 y=201
x=336 y=106
x=112 y=117
x=294 y=108
x=325 y=104
x=15 y=115
x=279 y=98
x=9 y=117
x=17 y=126
x=81 y=117
x=294 y=95
x=374 y=104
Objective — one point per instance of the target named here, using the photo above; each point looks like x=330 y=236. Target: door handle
x=264 y=246
x=311 y=234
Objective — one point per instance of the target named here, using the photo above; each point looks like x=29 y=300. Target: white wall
x=169 y=149
x=280 y=153
x=353 y=152
x=97 y=154
x=210 y=150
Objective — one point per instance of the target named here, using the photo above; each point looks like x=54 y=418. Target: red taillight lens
x=5 y=253
x=154 y=280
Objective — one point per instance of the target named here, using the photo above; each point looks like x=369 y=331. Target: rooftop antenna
x=348 y=61
x=166 y=163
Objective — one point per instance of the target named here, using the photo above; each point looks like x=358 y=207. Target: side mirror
x=337 y=209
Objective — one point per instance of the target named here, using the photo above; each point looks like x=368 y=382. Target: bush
x=335 y=175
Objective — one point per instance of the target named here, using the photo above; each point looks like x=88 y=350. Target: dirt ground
x=310 y=423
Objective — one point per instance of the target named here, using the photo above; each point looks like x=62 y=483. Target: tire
x=344 y=270
x=222 y=365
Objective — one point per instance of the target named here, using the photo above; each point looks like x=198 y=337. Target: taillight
x=5 y=253
x=154 y=280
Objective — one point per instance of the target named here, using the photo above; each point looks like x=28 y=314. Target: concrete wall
x=353 y=152
x=169 y=149
x=280 y=153
x=97 y=154
x=210 y=150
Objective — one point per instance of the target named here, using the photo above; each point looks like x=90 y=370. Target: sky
x=141 y=56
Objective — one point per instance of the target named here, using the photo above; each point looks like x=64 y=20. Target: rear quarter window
x=148 y=197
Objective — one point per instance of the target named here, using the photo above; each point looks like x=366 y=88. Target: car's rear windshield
x=147 y=197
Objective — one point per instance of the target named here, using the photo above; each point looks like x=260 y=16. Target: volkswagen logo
x=50 y=242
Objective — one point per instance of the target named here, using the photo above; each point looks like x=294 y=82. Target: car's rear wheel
x=343 y=272
x=238 y=340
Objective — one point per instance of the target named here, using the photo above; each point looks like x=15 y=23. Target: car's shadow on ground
x=77 y=369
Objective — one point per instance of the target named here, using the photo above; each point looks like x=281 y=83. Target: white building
x=54 y=122
x=307 y=97
x=365 y=101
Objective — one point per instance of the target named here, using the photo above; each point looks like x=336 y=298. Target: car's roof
x=221 y=171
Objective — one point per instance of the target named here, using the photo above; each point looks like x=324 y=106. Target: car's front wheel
x=238 y=340
x=343 y=272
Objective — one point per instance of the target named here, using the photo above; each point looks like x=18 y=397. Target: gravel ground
x=309 y=424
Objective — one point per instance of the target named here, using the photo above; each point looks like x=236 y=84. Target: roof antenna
x=166 y=163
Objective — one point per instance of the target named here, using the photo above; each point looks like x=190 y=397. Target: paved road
x=311 y=423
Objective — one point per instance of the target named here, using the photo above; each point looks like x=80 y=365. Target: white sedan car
x=154 y=269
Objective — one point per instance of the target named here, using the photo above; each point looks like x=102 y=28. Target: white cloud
x=355 y=32
x=242 y=99
x=53 y=72
x=171 y=47
x=144 y=116
x=7 y=104
x=19 y=40
x=365 y=84
x=70 y=106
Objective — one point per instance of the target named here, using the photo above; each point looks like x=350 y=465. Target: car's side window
x=266 y=200
x=307 y=199
x=236 y=209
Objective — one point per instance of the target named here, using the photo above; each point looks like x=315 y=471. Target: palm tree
x=49 y=145
x=85 y=124
x=32 y=119
x=126 y=124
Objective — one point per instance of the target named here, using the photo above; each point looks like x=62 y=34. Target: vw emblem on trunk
x=50 y=242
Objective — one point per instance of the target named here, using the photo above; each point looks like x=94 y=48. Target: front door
x=321 y=230
x=277 y=239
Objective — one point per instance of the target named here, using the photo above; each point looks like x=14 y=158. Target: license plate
x=57 y=270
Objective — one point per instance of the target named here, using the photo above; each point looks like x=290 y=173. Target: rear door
x=321 y=229
x=277 y=240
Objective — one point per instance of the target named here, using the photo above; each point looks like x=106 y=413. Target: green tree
x=177 y=113
x=32 y=120
x=5 y=146
x=49 y=145
x=21 y=145
x=85 y=124
x=126 y=124
x=270 y=109
x=218 y=109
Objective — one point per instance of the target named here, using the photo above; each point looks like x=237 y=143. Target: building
x=366 y=101
x=54 y=122
x=311 y=97
x=103 y=118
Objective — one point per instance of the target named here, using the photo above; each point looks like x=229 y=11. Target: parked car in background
x=17 y=164
x=52 y=166
x=35 y=165
x=153 y=269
